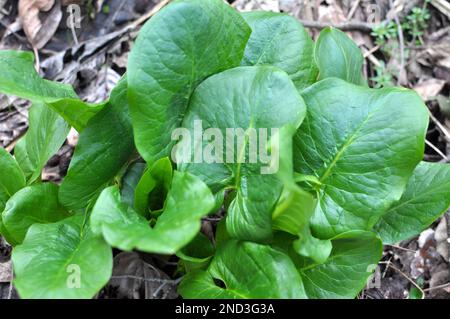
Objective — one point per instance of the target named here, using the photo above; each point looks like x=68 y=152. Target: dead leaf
x=5 y=272
x=429 y=89
x=40 y=20
x=134 y=279
x=441 y=236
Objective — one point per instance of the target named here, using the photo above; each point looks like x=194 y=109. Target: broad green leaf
x=103 y=149
x=197 y=254
x=255 y=101
x=179 y=47
x=21 y=155
x=188 y=200
x=427 y=196
x=46 y=134
x=338 y=56
x=363 y=145
x=353 y=258
x=248 y=270
x=20 y=78
x=11 y=175
x=130 y=181
x=63 y=260
x=159 y=175
x=31 y=205
x=280 y=40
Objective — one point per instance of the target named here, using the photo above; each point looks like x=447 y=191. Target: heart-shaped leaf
x=103 y=149
x=20 y=78
x=262 y=99
x=30 y=205
x=338 y=56
x=183 y=44
x=61 y=260
x=362 y=145
x=280 y=40
x=46 y=134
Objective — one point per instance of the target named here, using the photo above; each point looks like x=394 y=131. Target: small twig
x=438 y=151
x=353 y=9
x=13 y=143
x=401 y=43
x=401 y=248
x=345 y=26
x=147 y=16
x=389 y=264
x=10 y=289
x=371 y=51
x=439 y=34
x=440 y=126
x=37 y=64
x=165 y=281
x=438 y=287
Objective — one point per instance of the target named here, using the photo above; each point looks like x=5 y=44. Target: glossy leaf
x=31 y=205
x=19 y=78
x=197 y=254
x=21 y=155
x=280 y=40
x=261 y=98
x=338 y=56
x=183 y=44
x=353 y=258
x=11 y=176
x=268 y=273
x=46 y=134
x=427 y=196
x=130 y=181
x=188 y=200
x=61 y=260
x=363 y=145
x=159 y=175
x=103 y=149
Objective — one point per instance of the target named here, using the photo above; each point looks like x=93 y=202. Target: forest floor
x=92 y=55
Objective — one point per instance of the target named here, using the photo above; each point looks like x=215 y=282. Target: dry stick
x=438 y=287
x=147 y=16
x=346 y=26
x=440 y=126
x=401 y=248
x=10 y=289
x=353 y=9
x=401 y=42
x=388 y=264
x=164 y=281
x=438 y=151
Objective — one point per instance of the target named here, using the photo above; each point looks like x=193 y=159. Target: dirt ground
x=91 y=53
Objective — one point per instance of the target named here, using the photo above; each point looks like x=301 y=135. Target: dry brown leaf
x=40 y=20
x=429 y=89
x=5 y=272
x=135 y=279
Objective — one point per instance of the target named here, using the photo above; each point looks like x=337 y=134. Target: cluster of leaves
x=350 y=173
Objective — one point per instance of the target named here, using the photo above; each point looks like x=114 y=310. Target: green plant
x=384 y=31
x=416 y=23
x=383 y=77
x=344 y=173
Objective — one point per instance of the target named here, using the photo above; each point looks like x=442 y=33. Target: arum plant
x=313 y=169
